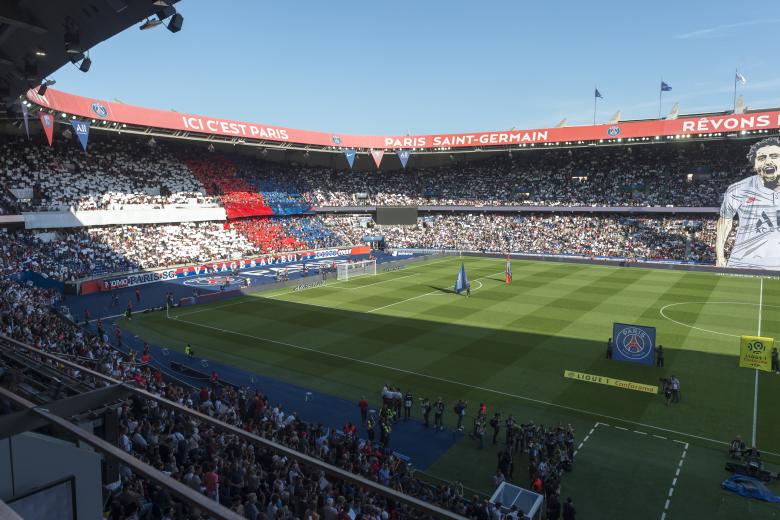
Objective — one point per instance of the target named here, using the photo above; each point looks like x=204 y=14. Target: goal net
x=351 y=270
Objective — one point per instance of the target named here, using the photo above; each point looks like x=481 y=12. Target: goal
x=351 y=270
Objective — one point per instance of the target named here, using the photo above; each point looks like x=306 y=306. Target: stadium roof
x=37 y=38
x=133 y=119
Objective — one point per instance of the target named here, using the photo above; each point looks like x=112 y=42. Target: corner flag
x=462 y=282
x=508 y=275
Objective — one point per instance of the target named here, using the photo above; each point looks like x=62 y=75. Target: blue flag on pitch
x=462 y=282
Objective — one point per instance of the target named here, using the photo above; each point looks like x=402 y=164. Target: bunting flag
x=462 y=282
x=82 y=130
x=47 y=120
x=350 y=153
x=26 y=117
x=404 y=156
x=377 y=155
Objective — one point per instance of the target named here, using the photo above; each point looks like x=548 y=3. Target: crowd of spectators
x=689 y=174
x=71 y=254
x=116 y=172
x=650 y=238
x=251 y=480
x=120 y=171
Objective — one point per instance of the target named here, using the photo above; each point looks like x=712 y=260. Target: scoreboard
x=395 y=215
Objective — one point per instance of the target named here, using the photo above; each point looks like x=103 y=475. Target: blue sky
x=432 y=66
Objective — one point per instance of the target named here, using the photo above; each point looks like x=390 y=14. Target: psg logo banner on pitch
x=633 y=343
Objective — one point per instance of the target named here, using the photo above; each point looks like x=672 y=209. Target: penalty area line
x=462 y=384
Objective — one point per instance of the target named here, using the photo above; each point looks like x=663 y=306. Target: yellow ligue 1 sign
x=755 y=352
x=609 y=381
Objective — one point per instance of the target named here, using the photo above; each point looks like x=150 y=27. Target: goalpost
x=351 y=270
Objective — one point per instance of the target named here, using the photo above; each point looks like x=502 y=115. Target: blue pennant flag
x=462 y=282
x=598 y=94
x=665 y=87
x=82 y=130
x=404 y=156
x=350 y=153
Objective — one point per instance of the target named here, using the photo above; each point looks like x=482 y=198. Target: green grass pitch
x=508 y=345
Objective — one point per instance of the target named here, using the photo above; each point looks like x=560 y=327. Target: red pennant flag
x=47 y=120
x=377 y=155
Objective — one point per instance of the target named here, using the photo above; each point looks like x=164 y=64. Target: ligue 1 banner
x=633 y=343
x=756 y=352
x=91 y=108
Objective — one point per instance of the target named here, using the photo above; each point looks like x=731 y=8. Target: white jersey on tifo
x=758 y=236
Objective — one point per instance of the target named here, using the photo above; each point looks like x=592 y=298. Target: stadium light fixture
x=86 y=63
x=46 y=84
x=175 y=23
x=150 y=23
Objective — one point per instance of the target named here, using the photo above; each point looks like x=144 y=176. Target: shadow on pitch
x=444 y=290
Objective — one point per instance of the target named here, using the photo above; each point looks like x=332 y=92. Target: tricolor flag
x=462 y=282
x=508 y=275
x=739 y=78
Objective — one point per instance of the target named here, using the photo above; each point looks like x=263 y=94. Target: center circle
x=664 y=314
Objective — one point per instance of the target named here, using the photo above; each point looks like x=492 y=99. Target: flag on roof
x=598 y=94
x=740 y=79
x=665 y=87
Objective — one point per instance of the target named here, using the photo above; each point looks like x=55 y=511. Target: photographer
x=736 y=448
x=425 y=407
x=438 y=414
x=666 y=389
x=480 y=432
x=408 y=405
x=495 y=423
x=460 y=412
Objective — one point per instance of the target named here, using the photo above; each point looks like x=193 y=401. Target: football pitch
x=508 y=346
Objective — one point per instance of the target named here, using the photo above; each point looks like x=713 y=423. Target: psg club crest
x=99 y=109
x=47 y=121
x=633 y=343
x=336 y=140
x=613 y=131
